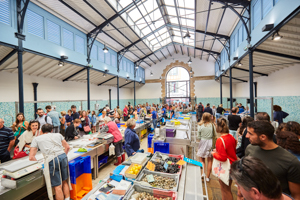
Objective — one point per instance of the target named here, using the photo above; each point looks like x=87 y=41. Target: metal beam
x=8 y=56
x=141 y=39
x=246 y=70
x=277 y=54
x=208 y=13
x=88 y=88
x=118 y=94
x=213 y=34
x=106 y=81
x=230 y=88
x=235 y=78
x=198 y=48
x=217 y=31
x=221 y=95
x=118 y=14
x=66 y=79
x=126 y=84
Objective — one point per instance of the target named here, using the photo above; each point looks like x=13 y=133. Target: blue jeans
x=233 y=133
x=154 y=123
x=218 y=115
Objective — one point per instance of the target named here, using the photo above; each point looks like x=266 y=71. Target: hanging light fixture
x=276 y=36
x=104 y=75
x=187 y=35
x=191 y=76
x=240 y=64
x=191 y=71
x=159 y=78
x=127 y=79
x=151 y=74
x=136 y=66
x=105 y=50
x=190 y=61
x=61 y=64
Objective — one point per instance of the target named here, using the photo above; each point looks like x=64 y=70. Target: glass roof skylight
x=145 y=19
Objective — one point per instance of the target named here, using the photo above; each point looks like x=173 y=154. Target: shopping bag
x=111 y=149
x=221 y=169
x=19 y=154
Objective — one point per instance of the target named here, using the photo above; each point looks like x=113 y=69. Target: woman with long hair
x=85 y=121
x=26 y=138
x=19 y=126
x=242 y=129
x=206 y=131
x=225 y=149
x=289 y=141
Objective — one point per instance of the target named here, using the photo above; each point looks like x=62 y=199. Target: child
x=93 y=121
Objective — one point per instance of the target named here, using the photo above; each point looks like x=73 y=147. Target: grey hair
x=107 y=119
x=130 y=123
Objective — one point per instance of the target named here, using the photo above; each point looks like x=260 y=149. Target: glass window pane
x=146 y=30
x=171 y=10
x=135 y=14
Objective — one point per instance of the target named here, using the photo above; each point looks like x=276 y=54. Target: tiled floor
x=213 y=187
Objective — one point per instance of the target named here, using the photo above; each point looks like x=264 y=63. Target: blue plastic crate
x=162 y=147
x=150 y=137
x=78 y=166
x=102 y=160
x=119 y=125
x=180 y=117
x=139 y=121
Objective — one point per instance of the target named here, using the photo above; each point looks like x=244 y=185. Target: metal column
x=255 y=95
x=88 y=88
x=109 y=96
x=230 y=83
x=118 y=95
x=251 y=83
x=221 y=95
x=134 y=93
x=21 y=11
x=35 y=98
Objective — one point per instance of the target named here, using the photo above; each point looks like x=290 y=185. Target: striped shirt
x=6 y=135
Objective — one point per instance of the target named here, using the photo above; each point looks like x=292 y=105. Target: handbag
x=214 y=138
x=221 y=169
x=18 y=153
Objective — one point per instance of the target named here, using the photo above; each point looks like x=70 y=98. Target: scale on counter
x=106 y=136
x=17 y=170
x=19 y=174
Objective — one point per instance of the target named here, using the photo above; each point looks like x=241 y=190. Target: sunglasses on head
x=34 y=120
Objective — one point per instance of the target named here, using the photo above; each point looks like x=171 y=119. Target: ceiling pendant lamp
x=151 y=74
x=191 y=71
x=159 y=78
x=61 y=64
x=240 y=64
x=190 y=61
x=105 y=50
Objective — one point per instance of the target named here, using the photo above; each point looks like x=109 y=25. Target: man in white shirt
x=42 y=118
x=56 y=166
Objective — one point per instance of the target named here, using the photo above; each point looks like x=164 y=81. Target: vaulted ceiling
x=151 y=30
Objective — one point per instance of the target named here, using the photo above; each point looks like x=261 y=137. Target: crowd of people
x=264 y=157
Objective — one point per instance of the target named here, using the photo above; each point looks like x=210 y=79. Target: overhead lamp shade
x=190 y=61
x=191 y=71
x=276 y=36
x=159 y=78
x=240 y=64
x=136 y=66
x=151 y=74
x=187 y=35
x=104 y=75
x=61 y=64
x=191 y=76
x=105 y=50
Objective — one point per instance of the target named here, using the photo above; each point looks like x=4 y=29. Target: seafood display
x=161 y=182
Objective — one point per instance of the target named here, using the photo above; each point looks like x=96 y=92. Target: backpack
x=200 y=108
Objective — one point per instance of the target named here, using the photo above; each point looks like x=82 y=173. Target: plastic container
x=102 y=160
x=181 y=157
x=155 y=192
x=162 y=147
x=116 y=173
x=151 y=150
x=139 y=158
x=170 y=132
x=132 y=176
x=83 y=186
x=139 y=121
x=172 y=176
x=119 y=125
x=79 y=166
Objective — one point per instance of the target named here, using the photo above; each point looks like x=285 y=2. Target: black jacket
x=70 y=133
x=209 y=110
x=240 y=152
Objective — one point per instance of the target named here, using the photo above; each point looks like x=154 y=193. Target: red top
x=114 y=130
x=230 y=152
x=125 y=112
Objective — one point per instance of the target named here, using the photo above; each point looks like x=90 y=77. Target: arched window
x=178 y=85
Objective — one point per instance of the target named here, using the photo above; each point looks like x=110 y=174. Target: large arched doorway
x=178 y=85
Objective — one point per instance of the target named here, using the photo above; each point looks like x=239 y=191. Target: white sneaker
x=203 y=175
x=207 y=179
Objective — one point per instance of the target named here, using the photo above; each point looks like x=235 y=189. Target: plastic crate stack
x=150 y=148
x=81 y=177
